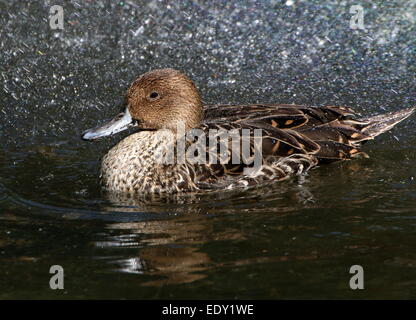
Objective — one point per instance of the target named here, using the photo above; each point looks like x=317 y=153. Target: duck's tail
x=341 y=140
x=381 y=123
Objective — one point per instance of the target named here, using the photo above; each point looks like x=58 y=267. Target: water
x=295 y=239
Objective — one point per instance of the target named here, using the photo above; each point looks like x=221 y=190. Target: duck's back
x=329 y=133
x=294 y=138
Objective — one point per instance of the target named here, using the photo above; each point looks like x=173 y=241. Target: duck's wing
x=335 y=130
x=328 y=132
x=293 y=138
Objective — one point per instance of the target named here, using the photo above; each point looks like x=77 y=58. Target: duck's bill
x=120 y=122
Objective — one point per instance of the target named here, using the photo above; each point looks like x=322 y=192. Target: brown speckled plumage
x=133 y=165
x=294 y=138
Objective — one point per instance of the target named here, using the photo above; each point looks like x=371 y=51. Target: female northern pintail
x=293 y=138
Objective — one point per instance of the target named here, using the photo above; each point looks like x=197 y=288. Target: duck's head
x=159 y=99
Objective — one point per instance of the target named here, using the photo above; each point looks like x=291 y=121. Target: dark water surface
x=295 y=239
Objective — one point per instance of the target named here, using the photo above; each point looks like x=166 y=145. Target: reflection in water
x=172 y=251
x=179 y=265
x=131 y=265
x=170 y=248
x=165 y=249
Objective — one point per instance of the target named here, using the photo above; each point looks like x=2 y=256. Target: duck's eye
x=154 y=94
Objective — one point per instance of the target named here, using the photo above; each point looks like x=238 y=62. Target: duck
x=164 y=106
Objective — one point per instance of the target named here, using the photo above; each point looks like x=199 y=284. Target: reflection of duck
x=171 y=248
x=294 y=138
x=175 y=264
